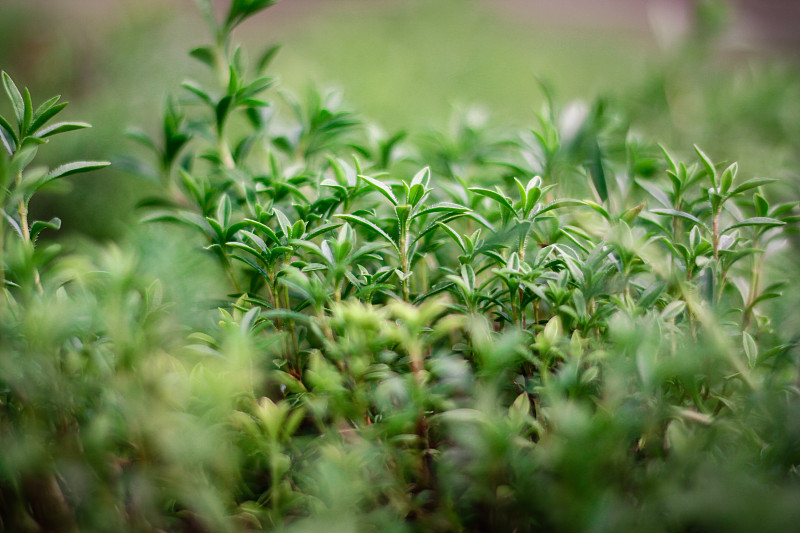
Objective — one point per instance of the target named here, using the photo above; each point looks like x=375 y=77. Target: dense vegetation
x=564 y=330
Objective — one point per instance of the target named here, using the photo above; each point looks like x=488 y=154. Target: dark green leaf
x=204 y=54
x=45 y=113
x=267 y=57
x=27 y=110
x=197 y=90
x=221 y=111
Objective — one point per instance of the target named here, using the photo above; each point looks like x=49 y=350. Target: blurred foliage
x=322 y=325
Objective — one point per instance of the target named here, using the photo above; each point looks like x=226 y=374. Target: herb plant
x=552 y=331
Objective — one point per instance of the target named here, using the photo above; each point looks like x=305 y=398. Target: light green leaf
x=381 y=188
x=494 y=195
x=16 y=99
x=750 y=349
x=755 y=221
x=708 y=165
x=371 y=225
x=39 y=225
x=61 y=127
x=76 y=167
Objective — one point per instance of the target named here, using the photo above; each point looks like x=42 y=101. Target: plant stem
x=715 y=234
x=23 y=220
x=404 y=263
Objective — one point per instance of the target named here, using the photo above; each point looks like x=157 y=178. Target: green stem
x=225 y=154
x=755 y=287
x=715 y=234
x=404 y=263
x=23 y=220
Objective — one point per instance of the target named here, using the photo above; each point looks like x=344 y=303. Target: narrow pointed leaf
x=39 y=225
x=7 y=136
x=61 y=127
x=27 y=111
x=16 y=98
x=494 y=195
x=204 y=54
x=755 y=221
x=680 y=214
x=456 y=237
x=45 y=113
x=708 y=165
x=422 y=177
x=76 y=167
x=442 y=207
x=381 y=188
x=371 y=225
x=751 y=184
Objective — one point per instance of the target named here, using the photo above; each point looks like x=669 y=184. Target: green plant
x=568 y=331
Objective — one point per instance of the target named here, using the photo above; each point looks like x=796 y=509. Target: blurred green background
x=718 y=74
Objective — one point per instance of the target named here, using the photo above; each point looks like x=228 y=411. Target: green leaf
x=267 y=57
x=708 y=165
x=381 y=188
x=45 y=112
x=38 y=226
x=630 y=215
x=221 y=111
x=197 y=90
x=597 y=170
x=324 y=228
x=750 y=349
x=269 y=232
x=680 y=214
x=27 y=110
x=7 y=136
x=761 y=205
x=751 y=184
x=599 y=208
x=371 y=225
x=254 y=88
x=16 y=99
x=558 y=204
x=669 y=158
x=61 y=127
x=755 y=221
x=728 y=175
x=204 y=54
x=224 y=210
x=422 y=177
x=283 y=222
x=494 y=195
x=673 y=310
x=456 y=237
x=25 y=153
x=442 y=207
x=76 y=167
